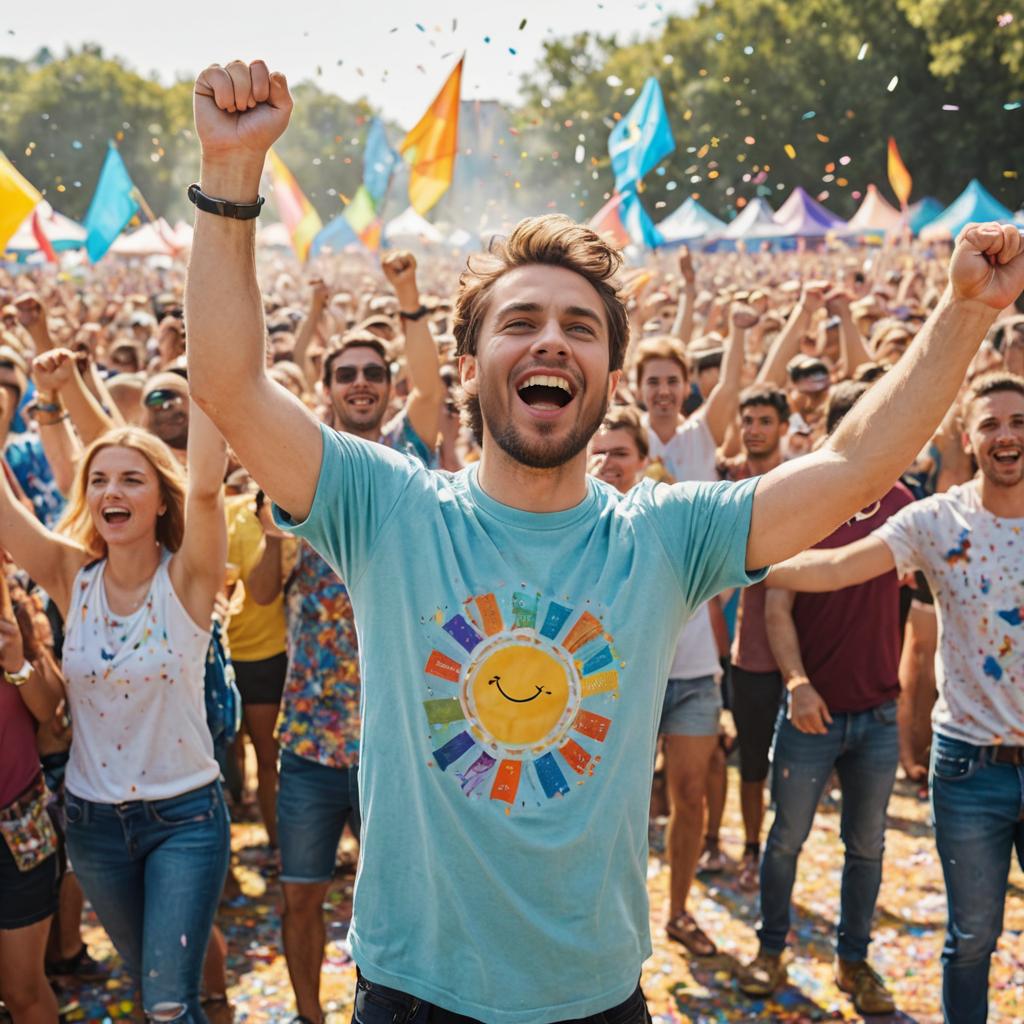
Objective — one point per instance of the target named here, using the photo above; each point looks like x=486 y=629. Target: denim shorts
x=314 y=801
x=692 y=707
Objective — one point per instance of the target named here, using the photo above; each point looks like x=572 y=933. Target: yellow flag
x=295 y=210
x=430 y=147
x=18 y=198
x=899 y=176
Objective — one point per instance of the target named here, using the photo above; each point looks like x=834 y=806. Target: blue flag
x=379 y=161
x=113 y=205
x=642 y=139
x=637 y=221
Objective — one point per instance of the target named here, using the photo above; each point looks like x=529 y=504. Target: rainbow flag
x=294 y=209
x=18 y=198
x=430 y=147
x=899 y=176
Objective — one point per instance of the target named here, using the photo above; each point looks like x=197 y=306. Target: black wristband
x=223 y=207
x=418 y=315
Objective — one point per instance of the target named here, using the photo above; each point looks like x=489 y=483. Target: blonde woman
x=134 y=569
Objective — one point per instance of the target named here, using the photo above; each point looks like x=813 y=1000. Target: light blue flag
x=379 y=161
x=642 y=139
x=637 y=221
x=113 y=205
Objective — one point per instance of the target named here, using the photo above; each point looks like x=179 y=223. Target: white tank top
x=135 y=687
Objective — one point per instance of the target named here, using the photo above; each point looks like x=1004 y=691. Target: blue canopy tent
x=975 y=203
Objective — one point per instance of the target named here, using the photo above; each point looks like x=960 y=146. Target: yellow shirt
x=255 y=631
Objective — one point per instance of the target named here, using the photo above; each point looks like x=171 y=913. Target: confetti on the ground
x=908 y=935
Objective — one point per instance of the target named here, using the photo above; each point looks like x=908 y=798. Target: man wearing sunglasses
x=166 y=403
x=517 y=619
x=318 y=726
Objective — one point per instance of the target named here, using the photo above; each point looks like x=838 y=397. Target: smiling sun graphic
x=506 y=709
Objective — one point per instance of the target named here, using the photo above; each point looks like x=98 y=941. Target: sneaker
x=864 y=983
x=765 y=974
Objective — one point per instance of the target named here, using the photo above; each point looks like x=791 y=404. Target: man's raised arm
x=240 y=111
x=800 y=502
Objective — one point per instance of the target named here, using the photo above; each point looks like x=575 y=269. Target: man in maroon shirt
x=839 y=655
x=755 y=684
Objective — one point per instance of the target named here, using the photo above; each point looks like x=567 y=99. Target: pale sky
x=366 y=48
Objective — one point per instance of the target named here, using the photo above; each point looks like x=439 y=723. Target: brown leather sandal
x=685 y=930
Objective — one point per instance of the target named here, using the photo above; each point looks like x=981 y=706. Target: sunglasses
x=162 y=399
x=372 y=374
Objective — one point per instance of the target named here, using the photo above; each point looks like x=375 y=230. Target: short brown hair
x=990 y=384
x=627 y=417
x=352 y=339
x=765 y=394
x=843 y=397
x=664 y=346
x=551 y=240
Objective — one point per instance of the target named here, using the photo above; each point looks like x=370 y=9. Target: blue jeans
x=863 y=748
x=377 y=1004
x=314 y=801
x=977 y=807
x=153 y=871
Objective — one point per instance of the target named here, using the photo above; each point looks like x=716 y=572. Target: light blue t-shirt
x=513 y=667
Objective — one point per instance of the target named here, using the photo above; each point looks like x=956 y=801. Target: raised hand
x=686 y=270
x=240 y=112
x=742 y=317
x=400 y=270
x=988 y=265
x=54 y=369
x=812 y=295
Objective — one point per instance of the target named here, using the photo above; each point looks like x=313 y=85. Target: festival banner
x=296 y=212
x=899 y=176
x=113 y=205
x=18 y=197
x=642 y=139
x=431 y=146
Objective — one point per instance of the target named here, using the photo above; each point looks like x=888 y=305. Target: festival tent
x=800 y=216
x=688 y=223
x=62 y=232
x=923 y=212
x=755 y=220
x=973 y=204
x=411 y=226
x=874 y=216
x=149 y=240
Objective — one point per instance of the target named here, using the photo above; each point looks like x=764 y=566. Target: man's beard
x=548 y=455
x=362 y=426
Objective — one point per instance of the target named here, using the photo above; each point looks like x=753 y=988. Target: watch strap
x=21 y=677
x=224 y=207
x=415 y=315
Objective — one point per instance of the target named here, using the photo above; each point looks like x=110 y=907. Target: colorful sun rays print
x=520 y=698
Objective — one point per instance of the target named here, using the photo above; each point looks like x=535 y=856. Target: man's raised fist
x=240 y=111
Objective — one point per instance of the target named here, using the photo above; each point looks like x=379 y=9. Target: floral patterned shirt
x=319 y=717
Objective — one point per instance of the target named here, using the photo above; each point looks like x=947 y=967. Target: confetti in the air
x=863 y=51
x=790 y=151
x=893 y=82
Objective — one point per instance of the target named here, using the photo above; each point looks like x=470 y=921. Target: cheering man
x=515 y=617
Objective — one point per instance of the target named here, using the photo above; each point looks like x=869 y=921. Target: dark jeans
x=978 y=809
x=863 y=748
x=153 y=871
x=377 y=1004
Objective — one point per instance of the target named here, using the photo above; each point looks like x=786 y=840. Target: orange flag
x=430 y=147
x=294 y=209
x=899 y=176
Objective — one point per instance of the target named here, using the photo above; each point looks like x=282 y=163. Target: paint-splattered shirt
x=319 y=718
x=974 y=563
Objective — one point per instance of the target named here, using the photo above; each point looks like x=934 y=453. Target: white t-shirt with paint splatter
x=974 y=564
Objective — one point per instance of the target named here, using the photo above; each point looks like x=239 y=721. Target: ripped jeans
x=153 y=871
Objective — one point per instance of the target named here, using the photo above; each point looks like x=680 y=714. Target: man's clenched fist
x=240 y=111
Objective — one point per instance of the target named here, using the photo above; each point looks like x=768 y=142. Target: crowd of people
x=482 y=547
